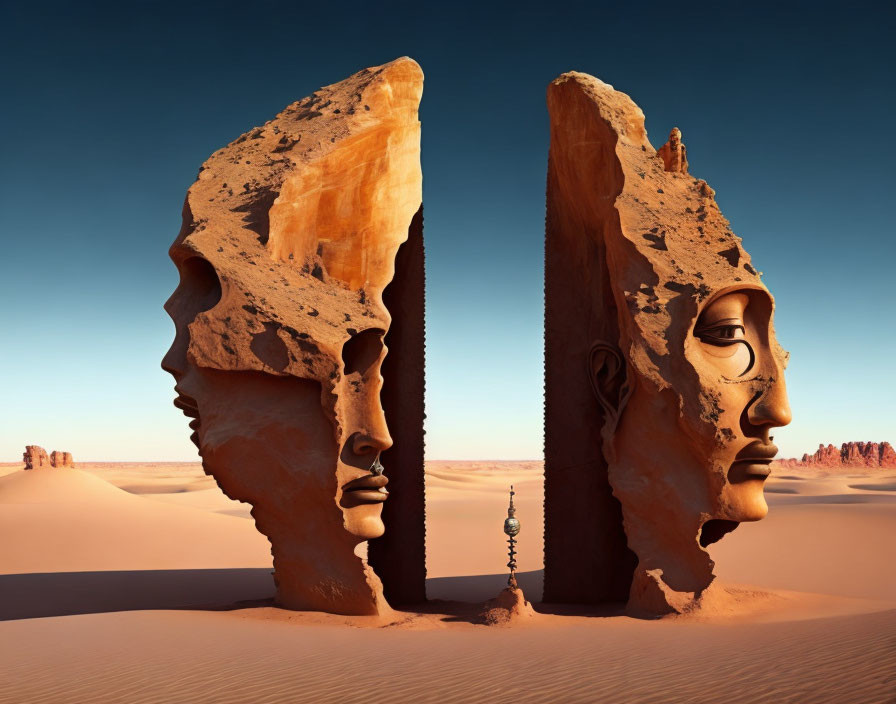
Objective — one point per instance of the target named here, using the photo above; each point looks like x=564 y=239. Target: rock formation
x=35 y=457
x=850 y=454
x=399 y=556
x=674 y=154
x=662 y=373
x=301 y=263
x=61 y=459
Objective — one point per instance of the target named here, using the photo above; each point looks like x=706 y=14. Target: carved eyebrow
x=362 y=349
x=720 y=321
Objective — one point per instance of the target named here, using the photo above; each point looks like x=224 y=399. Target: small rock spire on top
x=674 y=154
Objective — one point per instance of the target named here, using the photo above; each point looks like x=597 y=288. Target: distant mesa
x=870 y=455
x=36 y=457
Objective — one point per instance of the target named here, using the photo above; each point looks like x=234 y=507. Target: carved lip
x=187 y=405
x=756 y=469
x=754 y=461
x=757 y=452
x=370 y=488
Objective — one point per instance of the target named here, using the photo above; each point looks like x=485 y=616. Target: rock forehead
x=301 y=219
x=673 y=247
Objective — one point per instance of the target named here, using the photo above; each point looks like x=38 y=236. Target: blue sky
x=109 y=109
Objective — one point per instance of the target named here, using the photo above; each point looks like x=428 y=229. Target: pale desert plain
x=138 y=582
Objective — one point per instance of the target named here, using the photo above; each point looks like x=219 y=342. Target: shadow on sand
x=66 y=593
x=40 y=595
x=482 y=587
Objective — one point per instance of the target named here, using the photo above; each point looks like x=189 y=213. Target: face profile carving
x=673 y=331
x=290 y=238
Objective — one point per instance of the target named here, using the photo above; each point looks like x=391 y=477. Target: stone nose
x=170 y=362
x=372 y=442
x=771 y=409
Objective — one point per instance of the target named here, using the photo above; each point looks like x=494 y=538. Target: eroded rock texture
x=61 y=459
x=662 y=373
x=35 y=457
x=674 y=154
x=850 y=454
x=290 y=238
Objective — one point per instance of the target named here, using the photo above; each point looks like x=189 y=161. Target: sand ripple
x=202 y=657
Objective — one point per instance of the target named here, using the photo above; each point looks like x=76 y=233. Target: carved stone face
x=709 y=476
x=246 y=419
x=734 y=355
x=676 y=327
x=289 y=239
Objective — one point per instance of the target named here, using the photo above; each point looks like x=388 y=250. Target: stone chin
x=365 y=522
x=744 y=502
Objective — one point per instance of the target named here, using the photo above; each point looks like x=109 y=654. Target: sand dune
x=816 y=623
x=72 y=521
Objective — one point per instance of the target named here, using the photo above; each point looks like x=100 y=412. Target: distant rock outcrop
x=61 y=459
x=869 y=455
x=36 y=457
x=674 y=154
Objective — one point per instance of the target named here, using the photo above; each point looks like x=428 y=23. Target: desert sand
x=144 y=583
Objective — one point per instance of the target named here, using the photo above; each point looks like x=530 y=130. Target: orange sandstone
x=674 y=154
x=869 y=455
x=292 y=242
x=61 y=459
x=663 y=376
x=35 y=457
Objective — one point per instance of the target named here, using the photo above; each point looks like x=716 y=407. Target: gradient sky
x=109 y=109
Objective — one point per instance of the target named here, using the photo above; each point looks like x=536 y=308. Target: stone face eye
x=727 y=348
x=199 y=290
x=362 y=351
x=720 y=334
x=730 y=332
x=199 y=286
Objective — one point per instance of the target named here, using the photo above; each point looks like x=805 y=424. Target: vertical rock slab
x=399 y=556
x=662 y=372
x=290 y=236
x=586 y=555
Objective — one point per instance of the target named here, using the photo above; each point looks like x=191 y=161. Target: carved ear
x=609 y=379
